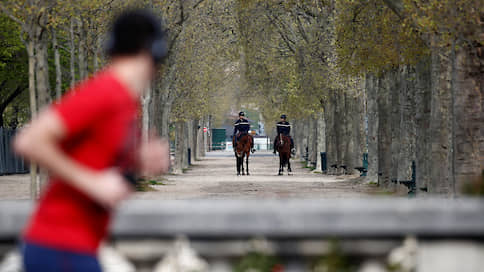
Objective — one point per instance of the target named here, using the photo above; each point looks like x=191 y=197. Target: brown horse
x=284 y=149
x=242 y=149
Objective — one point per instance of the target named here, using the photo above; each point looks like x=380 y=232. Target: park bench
x=345 y=169
x=362 y=170
x=410 y=184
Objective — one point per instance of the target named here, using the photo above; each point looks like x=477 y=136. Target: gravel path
x=215 y=177
x=15 y=187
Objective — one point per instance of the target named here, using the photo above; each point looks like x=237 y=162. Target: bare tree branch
x=284 y=37
x=10 y=15
x=396 y=6
x=198 y=3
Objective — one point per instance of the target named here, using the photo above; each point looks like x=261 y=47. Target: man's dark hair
x=135 y=31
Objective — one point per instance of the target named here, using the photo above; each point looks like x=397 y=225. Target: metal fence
x=9 y=163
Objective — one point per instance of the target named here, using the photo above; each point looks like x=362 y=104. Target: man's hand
x=108 y=188
x=154 y=156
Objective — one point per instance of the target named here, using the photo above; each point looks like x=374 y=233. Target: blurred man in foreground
x=89 y=143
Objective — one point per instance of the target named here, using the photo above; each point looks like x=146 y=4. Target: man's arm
x=154 y=156
x=40 y=142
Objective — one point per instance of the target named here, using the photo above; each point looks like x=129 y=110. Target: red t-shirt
x=101 y=120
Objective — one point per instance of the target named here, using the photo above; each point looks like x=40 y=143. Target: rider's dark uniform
x=284 y=128
x=241 y=127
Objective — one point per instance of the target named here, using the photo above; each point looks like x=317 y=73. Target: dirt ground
x=215 y=177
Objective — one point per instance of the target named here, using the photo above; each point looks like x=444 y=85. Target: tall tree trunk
x=195 y=139
x=72 y=47
x=371 y=86
x=440 y=124
x=97 y=49
x=82 y=51
x=384 y=129
x=422 y=119
x=312 y=132
x=58 y=72
x=358 y=128
x=179 y=146
x=407 y=124
x=42 y=77
x=33 y=109
x=165 y=120
x=468 y=74
x=350 y=115
x=339 y=128
x=145 y=103
x=394 y=85
x=331 y=149
x=42 y=73
x=206 y=142
x=189 y=139
x=298 y=138
x=186 y=144
x=321 y=136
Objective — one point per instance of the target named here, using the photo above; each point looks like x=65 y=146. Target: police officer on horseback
x=284 y=128
x=241 y=127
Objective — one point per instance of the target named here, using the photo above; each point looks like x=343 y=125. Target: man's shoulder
x=102 y=85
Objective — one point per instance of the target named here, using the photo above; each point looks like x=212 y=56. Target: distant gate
x=9 y=163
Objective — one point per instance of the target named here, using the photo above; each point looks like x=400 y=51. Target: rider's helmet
x=241 y=113
x=283 y=116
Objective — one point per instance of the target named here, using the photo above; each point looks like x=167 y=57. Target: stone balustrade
x=220 y=231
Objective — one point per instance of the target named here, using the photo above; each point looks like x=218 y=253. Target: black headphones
x=159 y=49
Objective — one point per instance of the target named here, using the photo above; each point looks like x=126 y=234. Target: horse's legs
x=242 y=165
x=281 y=163
x=238 y=164
x=289 y=170
x=247 y=164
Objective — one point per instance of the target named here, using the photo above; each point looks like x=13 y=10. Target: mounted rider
x=242 y=127
x=284 y=128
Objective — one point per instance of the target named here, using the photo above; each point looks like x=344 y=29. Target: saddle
x=240 y=134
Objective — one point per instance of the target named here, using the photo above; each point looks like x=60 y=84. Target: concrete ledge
x=344 y=218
